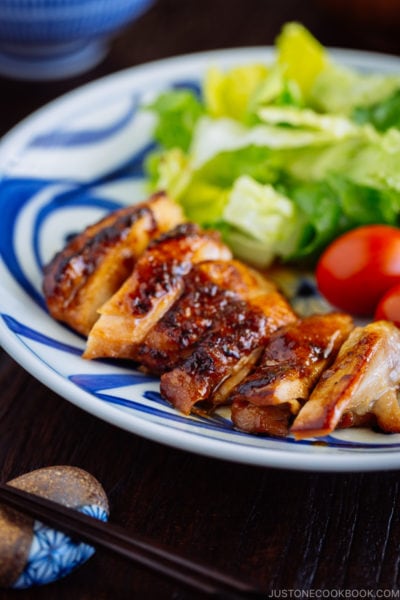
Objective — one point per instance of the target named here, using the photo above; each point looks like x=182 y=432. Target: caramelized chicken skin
x=360 y=387
x=208 y=288
x=154 y=285
x=292 y=361
x=227 y=353
x=93 y=265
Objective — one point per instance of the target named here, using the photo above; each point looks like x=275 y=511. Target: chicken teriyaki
x=144 y=284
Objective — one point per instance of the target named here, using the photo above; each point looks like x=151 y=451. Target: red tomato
x=359 y=267
x=389 y=306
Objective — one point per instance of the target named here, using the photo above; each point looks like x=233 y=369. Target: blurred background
x=171 y=27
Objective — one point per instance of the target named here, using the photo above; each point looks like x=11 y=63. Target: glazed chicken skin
x=291 y=364
x=94 y=263
x=154 y=285
x=226 y=354
x=361 y=387
x=208 y=289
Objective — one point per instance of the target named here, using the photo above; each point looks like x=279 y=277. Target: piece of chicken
x=292 y=362
x=277 y=312
x=227 y=353
x=361 y=386
x=95 y=263
x=208 y=288
x=153 y=287
x=271 y=420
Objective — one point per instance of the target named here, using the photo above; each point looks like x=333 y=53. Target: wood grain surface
x=283 y=530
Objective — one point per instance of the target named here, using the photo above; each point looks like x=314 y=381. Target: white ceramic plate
x=61 y=169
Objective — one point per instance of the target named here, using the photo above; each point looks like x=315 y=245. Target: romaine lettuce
x=263 y=215
x=382 y=115
x=178 y=112
x=282 y=159
x=300 y=55
x=230 y=94
x=339 y=90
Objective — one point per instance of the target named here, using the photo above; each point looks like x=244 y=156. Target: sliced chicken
x=360 y=387
x=209 y=287
x=277 y=312
x=145 y=285
x=293 y=360
x=227 y=353
x=153 y=287
x=272 y=420
x=95 y=263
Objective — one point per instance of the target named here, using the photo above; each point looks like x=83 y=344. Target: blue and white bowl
x=51 y=39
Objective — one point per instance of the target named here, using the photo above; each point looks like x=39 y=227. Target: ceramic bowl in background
x=53 y=39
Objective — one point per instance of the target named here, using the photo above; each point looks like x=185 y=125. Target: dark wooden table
x=284 y=530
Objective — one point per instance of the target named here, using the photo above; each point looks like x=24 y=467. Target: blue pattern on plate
x=16 y=193
x=63 y=137
x=73 y=198
x=28 y=332
x=14 y=196
x=53 y=554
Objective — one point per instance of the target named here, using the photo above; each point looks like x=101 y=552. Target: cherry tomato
x=359 y=267
x=389 y=306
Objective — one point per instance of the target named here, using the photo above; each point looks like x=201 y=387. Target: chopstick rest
x=32 y=553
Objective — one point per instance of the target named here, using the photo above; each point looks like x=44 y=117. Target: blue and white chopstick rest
x=32 y=553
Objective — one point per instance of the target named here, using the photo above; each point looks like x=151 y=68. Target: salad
x=282 y=158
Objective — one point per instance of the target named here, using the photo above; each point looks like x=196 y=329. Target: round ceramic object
x=33 y=554
x=52 y=39
x=64 y=168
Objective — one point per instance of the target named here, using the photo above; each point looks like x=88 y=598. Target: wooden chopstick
x=112 y=537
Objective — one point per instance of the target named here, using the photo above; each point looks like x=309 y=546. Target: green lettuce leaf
x=363 y=204
x=320 y=217
x=263 y=221
x=340 y=90
x=213 y=136
x=382 y=115
x=336 y=126
x=169 y=171
x=206 y=193
x=301 y=56
x=230 y=94
x=177 y=114
x=374 y=163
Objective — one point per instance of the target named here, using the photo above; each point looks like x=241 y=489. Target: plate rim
x=345 y=55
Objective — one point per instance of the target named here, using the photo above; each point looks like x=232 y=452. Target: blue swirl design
x=23 y=330
x=54 y=554
x=14 y=196
x=193 y=86
x=96 y=384
x=17 y=193
x=64 y=138
x=80 y=197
